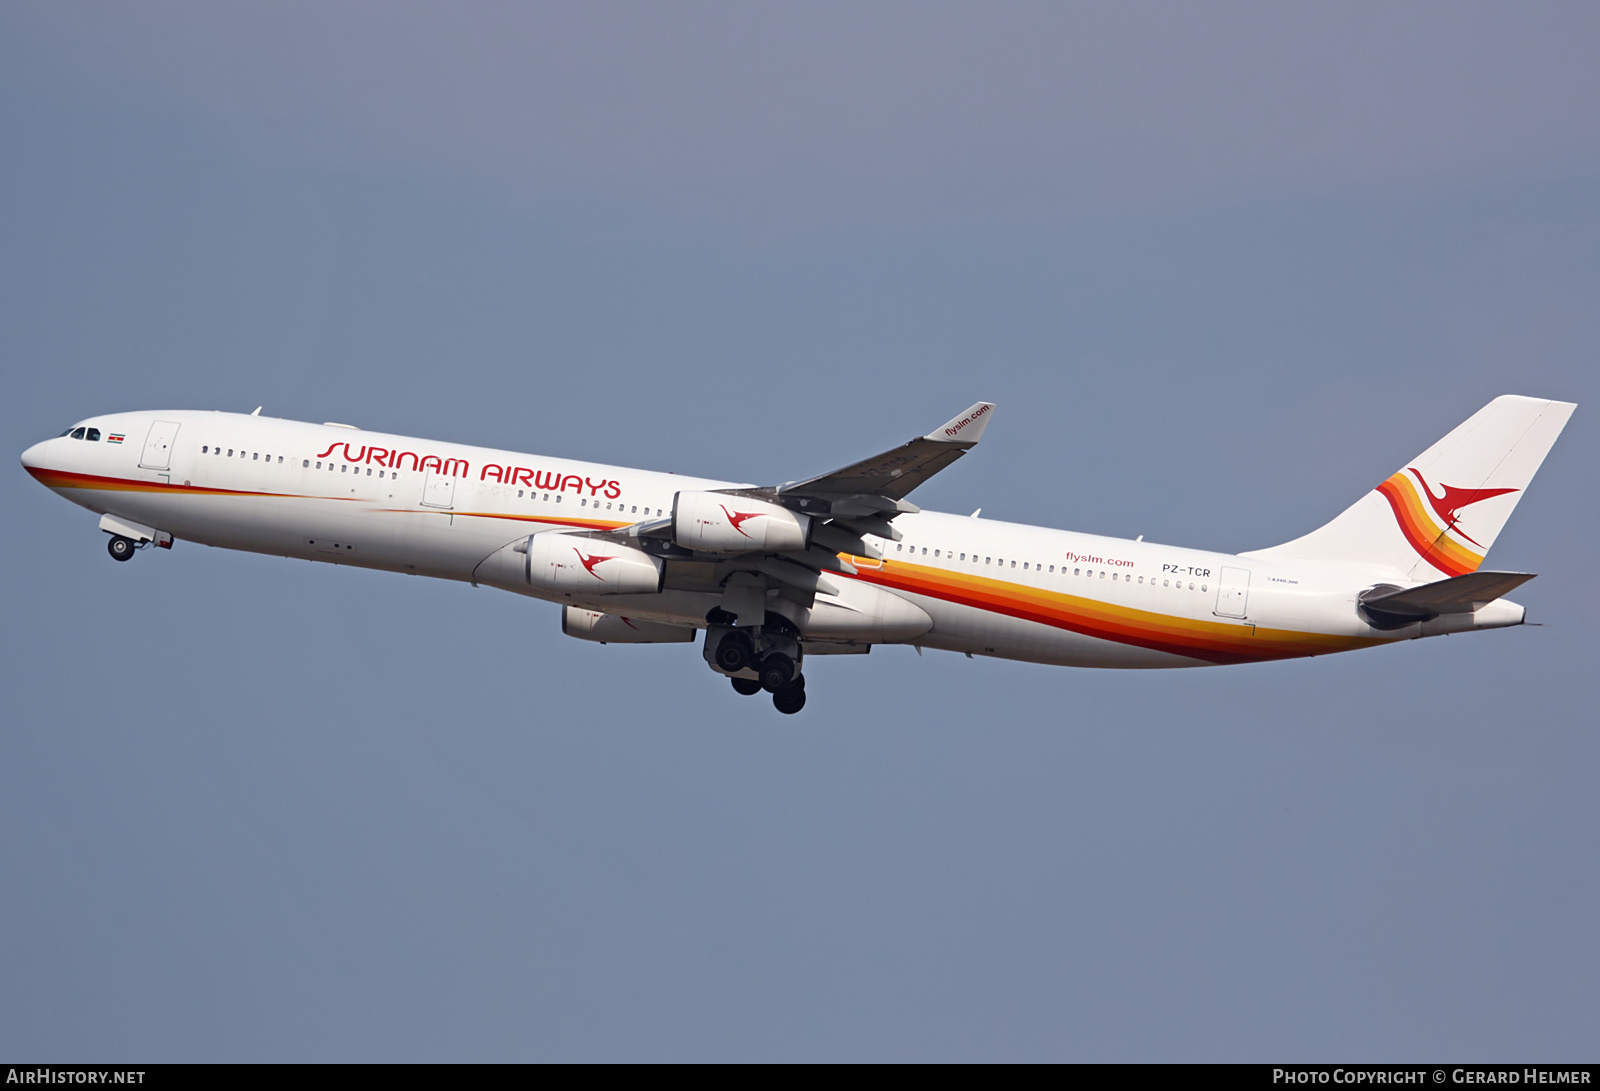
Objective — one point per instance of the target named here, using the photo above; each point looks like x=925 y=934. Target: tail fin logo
x=1431 y=540
x=1448 y=507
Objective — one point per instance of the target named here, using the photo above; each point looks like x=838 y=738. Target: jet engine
x=718 y=522
x=616 y=629
x=574 y=564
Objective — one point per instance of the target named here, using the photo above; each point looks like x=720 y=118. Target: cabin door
x=1233 y=592
x=158 y=448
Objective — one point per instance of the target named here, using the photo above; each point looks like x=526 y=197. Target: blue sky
x=1222 y=268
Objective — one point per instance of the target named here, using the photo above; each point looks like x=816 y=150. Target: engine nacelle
x=615 y=629
x=719 y=523
x=573 y=564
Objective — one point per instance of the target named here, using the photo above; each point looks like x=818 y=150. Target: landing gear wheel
x=120 y=548
x=776 y=671
x=735 y=652
x=791 y=698
x=745 y=687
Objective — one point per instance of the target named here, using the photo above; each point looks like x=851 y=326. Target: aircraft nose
x=34 y=457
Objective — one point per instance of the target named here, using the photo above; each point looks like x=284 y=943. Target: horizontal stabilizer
x=1460 y=595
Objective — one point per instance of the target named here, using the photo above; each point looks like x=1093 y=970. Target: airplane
x=830 y=565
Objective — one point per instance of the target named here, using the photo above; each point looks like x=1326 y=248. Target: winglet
x=965 y=428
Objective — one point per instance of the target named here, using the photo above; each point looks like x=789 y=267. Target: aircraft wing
x=861 y=498
x=843 y=509
x=893 y=474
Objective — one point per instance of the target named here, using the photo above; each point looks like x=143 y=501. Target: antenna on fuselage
x=257 y=413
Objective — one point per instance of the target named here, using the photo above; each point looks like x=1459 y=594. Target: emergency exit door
x=438 y=490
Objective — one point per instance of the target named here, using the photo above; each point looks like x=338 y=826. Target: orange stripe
x=1425 y=536
x=586 y=524
x=1212 y=641
x=59 y=479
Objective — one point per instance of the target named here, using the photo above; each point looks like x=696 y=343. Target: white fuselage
x=427 y=508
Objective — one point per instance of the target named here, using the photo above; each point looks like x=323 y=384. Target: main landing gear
x=788 y=698
x=120 y=548
x=767 y=659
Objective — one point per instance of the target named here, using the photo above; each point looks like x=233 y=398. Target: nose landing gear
x=120 y=548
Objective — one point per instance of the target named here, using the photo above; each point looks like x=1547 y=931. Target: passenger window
x=369 y=471
x=344 y=468
x=583 y=503
x=1202 y=587
x=635 y=510
x=319 y=465
x=1113 y=577
x=256 y=457
x=986 y=560
x=305 y=462
x=1074 y=571
x=936 y=553
x=204 y=449
x=1024 y=566
x=1102 y=573
x=77 y=433
x=1013 y=564
x=558 y=498
x=280 y=460
x=230 y=452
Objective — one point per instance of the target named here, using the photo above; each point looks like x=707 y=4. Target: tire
x=790 y=699
x=735 y=652
x=777 y=671
x=745 y=687
x=120 y=548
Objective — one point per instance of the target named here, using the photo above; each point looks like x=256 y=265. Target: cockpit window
x=77 y=433
x=65 y=434
x=93 y=435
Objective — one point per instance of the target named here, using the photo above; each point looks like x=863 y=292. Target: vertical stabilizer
x=1439 y=515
